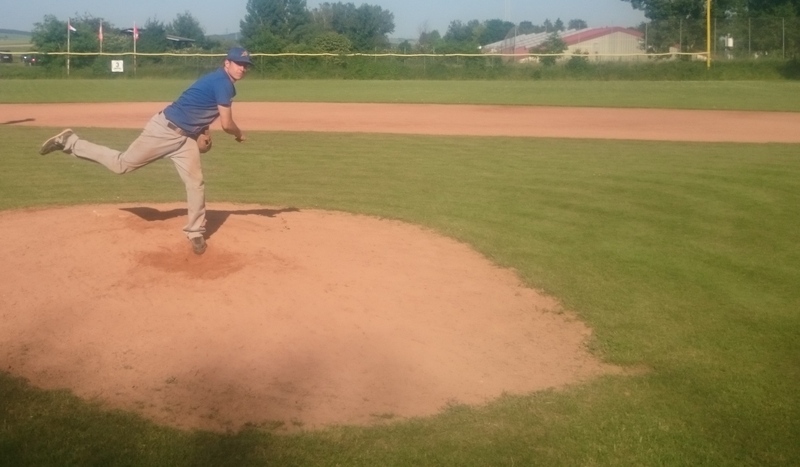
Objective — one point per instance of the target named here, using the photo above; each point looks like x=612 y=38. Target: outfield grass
x=682 y=257
x=723 y=95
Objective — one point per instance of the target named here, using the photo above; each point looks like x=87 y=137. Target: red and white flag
x=135 y=33
x=100 y=33
x=70 y=28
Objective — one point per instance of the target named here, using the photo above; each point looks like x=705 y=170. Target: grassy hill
x=14 y=35
x=12 y=40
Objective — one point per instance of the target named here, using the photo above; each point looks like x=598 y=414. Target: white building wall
x=602 y=48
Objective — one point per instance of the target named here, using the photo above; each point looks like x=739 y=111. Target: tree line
x=760 y=27
x=281 y=26
x=656 y=10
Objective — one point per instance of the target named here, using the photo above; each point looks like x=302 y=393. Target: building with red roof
x=599 y=44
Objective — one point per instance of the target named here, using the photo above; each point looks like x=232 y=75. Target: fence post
x=708 y=34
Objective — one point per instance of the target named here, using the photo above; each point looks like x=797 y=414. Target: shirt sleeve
x=224 y=93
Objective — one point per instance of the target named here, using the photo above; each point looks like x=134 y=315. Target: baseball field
x=417 y=273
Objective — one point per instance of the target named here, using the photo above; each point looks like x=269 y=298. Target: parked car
x=30 y=59
x=6 y=57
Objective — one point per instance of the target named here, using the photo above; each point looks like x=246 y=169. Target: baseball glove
x=204 y=141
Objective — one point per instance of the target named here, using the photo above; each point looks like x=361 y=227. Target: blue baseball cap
x=239 y=55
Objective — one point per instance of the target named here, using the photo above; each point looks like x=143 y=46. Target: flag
x=100 y=33
x=135 y=33
x=70 y=28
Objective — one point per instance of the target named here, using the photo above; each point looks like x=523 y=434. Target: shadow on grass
x=214 y=218
x=791 y=70
x=56 y=428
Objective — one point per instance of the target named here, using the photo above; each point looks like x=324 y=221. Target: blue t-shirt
x=196 y=108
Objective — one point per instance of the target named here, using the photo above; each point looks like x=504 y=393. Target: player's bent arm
x=228 y=125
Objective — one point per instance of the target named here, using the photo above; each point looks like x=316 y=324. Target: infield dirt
x=295 y=319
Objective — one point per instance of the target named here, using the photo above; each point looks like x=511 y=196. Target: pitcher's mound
x=293 y=319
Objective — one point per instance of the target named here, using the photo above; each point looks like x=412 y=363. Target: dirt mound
x=292 y=318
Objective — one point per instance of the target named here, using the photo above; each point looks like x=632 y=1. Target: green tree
x=50 y=35
x=554 y=44
x=495 y=30
x=270 y=25
x=373 y=26
x=670 y=18
x=263 y=40
x=690 y=9
x=461 y=37
x=526 y=27
x=578 y=62
x=405 y=46
x=186 y=25
x=332 y=43
x=577 y=24
x=114 y=40
x=367 y=26
x=152 y=37
x=428 y=41
x=696 y=9
x=459 y=33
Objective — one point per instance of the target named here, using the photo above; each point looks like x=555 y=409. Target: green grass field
x=723 y=95
x=683 y=258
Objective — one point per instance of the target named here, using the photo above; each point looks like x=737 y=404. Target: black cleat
x=198 y=245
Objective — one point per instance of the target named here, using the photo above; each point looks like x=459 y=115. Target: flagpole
x=135 y=33
x=708 y=33
x=69 y=31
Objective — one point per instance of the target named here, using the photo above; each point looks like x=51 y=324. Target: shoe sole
x=51 y=145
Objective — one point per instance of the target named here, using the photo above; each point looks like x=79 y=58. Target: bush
x=578 y=63
x=791 y=69
x=478 y=67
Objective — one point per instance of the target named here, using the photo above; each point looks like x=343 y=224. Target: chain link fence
x=732 y=38
x=753 y=41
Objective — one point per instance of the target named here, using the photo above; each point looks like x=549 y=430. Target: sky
x=410 y=16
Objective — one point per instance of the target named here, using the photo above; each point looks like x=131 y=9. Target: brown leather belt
x=178 y=129
x=175 y=127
